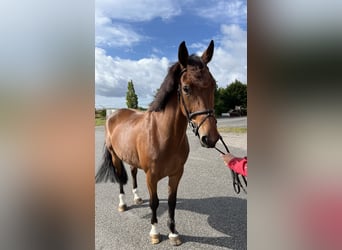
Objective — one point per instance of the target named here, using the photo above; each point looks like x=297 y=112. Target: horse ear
x=183 y=54
x=208 y=54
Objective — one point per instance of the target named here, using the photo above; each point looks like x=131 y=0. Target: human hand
x=227 y=158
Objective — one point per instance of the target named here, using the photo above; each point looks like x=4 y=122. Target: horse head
x=196 y=92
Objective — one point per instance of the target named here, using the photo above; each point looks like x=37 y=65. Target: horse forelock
x=167 y=88
x=195 y=60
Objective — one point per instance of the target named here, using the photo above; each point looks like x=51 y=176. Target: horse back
x=122 y=116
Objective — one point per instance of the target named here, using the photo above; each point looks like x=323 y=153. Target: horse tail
x=109 y=172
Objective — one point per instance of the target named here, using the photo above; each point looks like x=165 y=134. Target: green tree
x=219 y=101
x=235 y=94
x=237 y=91
x=131 y=97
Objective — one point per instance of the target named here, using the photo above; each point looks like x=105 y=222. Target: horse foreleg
x=136 y=198
x=154 y=203
x=172 y=200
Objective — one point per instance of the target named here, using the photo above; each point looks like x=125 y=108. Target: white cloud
x=110 y=33
x=230 y=56
x=198 y=46
x=229 y=62
x=138 y=10
x=234 y=11
x=113 y=74
x=116 y=35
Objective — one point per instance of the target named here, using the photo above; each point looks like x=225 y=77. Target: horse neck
x=174 y=122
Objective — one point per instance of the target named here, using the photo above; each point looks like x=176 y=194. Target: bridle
x=190 y=116
x=237 y=185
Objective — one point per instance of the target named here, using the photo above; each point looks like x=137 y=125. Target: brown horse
x=156 y=141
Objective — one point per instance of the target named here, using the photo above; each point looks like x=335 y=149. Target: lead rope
x=237 y=185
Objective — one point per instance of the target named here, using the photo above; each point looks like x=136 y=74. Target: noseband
x=190 y=116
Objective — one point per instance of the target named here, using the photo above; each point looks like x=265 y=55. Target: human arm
x=237 y=164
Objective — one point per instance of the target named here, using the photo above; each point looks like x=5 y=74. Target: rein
x=237 y=185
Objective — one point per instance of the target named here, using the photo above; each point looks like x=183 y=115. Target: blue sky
x=138 y=40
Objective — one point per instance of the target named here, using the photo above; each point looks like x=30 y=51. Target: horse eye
x=186 y=89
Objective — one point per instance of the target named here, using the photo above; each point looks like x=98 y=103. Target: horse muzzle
x=208 y=141
x=208 y=137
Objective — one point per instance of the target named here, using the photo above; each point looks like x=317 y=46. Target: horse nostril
x=204 y=140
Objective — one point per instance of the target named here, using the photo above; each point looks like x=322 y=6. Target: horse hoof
x=175 y=240
x=138 y=201
x=155 y=238
x=122 y=208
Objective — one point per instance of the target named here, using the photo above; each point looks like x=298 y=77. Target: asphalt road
x=209 y=215
x=232 y=122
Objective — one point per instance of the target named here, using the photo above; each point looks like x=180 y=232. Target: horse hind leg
x=122 y=201
x=113 y=170
x=120 y=177
x=136 y=197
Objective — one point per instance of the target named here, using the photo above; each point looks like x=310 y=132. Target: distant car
x=234 y=113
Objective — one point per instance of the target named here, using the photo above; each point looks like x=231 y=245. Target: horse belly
x=168 y=162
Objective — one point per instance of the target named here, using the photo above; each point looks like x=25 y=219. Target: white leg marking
x=154 y=234
x=171 y=235
x=122 y=200
x=154 y=229
x=135 y=194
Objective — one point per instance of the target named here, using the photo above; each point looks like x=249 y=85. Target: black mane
x=168 y=87
x=170 y=83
